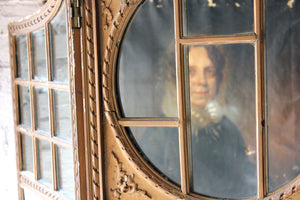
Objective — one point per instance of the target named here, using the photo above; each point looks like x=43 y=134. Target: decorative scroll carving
x=46 y=13
x=125 y=182
x=92 y=100
x=49 y=194
x=107 y=13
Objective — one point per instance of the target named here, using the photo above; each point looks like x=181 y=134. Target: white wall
x=10 y=10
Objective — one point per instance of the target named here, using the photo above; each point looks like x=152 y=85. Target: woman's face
x=203 y=79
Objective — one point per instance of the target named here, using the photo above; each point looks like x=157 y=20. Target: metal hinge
x=76 y=14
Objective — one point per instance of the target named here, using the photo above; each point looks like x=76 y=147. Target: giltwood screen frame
x=93 y=53
x=41 y=19
x=113 y=38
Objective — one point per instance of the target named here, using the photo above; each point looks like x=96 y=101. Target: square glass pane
x=26 y=152
x=29 y=194
x=65 y=171
x=222 y=119
x=44 y=162
x=41 y=109
x=283 y=91
x=160 y=147
x=24 y=105
x=59 y=46
x=22 y=57
x=146 y=72
x=62 y=114
x=217 y=17
x=39 y=55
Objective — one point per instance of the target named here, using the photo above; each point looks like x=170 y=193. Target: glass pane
x=26 y=152
x=283 y=90
x=62 y=114
x=222 y=101
x=39 y=55
x=65 y=171
x=59 y=54
x=146 y=89
x=30 y=194
x=44 y=162
x=24 y=105
x=21 y=56
x=161 y=148
x=217 y=17
x=41 y=108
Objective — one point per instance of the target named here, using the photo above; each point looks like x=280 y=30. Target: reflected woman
x=220 y=166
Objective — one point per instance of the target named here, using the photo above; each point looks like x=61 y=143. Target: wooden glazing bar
x=260 y=100
x=48 y=52
x=45 y=137
x=54 y=168
x=218 y=39
x=183 y=144
x=150 y=122
x=53 y=85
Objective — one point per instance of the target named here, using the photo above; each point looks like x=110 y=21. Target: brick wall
x=10 y=10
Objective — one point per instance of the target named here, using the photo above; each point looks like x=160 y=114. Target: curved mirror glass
x=160 y=146
x=143 y=66
x=283 y=90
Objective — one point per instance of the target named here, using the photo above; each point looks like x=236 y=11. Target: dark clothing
x=220 y=165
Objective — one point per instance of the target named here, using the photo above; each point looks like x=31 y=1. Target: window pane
x=41 y=109
x=39 y=55
x=27 y=153
x=161 y=148
x=62 y=114
x=44 y=162
x=30 y=195
x=283 y=90
x=147 y=55
x=222 y=102
x=65 y=171
x=217 y=17
x=59 y=54
x=24 y=105
x=21 y=57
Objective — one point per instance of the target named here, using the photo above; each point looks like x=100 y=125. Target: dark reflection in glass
x=44 y=162
x=39 y=55
x=217 y=17
x=143 y=60
x=21 y=57
x=222 y=101
x=24 y=105
x=65 y=171
x=59 y=53
x=62 y=114
x=27 y=153
x=41 y=109
x=283 y=90
x=160 y=146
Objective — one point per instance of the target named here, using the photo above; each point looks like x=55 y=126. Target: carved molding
x=38 y=19
x=93 y=127
x=125 y=182
x=106 y=13
x=43 y=190
x=73 y=101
